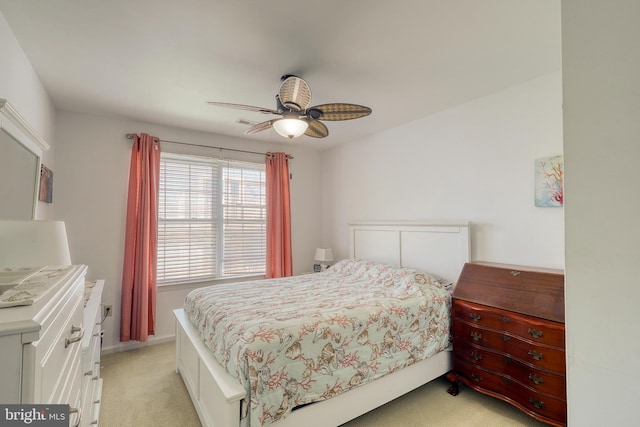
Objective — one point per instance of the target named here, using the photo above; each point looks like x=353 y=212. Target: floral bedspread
x=302 y=339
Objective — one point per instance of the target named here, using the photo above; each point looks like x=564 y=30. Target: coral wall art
x=549 y=189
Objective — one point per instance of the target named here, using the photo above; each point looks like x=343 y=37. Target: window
x=211 y=218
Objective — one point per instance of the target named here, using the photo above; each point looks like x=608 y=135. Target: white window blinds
x=245 y=225
x=211 y=218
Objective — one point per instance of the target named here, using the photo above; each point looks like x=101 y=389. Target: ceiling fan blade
x=339 y=111
x=259 y=127
x=295 y=93
x=316 y=129
x=243 y=107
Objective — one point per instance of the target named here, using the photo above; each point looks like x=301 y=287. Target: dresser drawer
x=91 y=344
x=538 y=355
x=536 y=330
x=540 y=404
x=91 y=365
x=58 y=348
x=72 y=396
x=540 y=380
x=91 y=382
x=57 y=360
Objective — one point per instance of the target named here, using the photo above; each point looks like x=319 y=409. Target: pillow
x=351 y=266
x=405 y=278
x=388 y=275
x=423 y=278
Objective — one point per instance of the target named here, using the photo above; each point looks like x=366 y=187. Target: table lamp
x=323 y=255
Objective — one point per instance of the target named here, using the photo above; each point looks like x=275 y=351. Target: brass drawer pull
x=506 y=338
x=476 y=377
x=475 y=356
x=507 y=381
x=536 y=379
x=506 y=360
x=515 y=273
x=475 y=317
x=535 y=333
x=88 y=373
x=535 y=355
x=74 y=329
x=537 y=403
x=505 y=319
x=476 y=336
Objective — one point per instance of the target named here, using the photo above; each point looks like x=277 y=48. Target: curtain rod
x=130 y=136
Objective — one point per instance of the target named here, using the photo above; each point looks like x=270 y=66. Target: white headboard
x=439 y=247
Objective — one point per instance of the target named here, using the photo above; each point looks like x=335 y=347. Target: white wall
x=91 y=191
x=20 y=85
x=473 y=162
x=601 y=65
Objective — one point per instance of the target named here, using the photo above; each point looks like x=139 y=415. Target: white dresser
x=91 y=381
x=50 y=349
x=40 y=346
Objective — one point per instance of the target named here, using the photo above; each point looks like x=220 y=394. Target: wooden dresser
x=508 y=337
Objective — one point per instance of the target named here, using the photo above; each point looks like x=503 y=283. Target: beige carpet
x=141 y=389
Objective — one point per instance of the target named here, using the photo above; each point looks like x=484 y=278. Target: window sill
x=209 y=282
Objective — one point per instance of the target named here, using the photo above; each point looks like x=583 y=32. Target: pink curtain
x=138 y=303
x=279 y=262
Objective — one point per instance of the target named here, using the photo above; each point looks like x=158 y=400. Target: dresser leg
x=453 y=379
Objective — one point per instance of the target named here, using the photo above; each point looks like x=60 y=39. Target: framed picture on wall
x=45 y=194
x=549 y=191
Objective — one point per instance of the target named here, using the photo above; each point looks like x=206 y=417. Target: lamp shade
x=33 y=244
x=290 y=128
x=324 y=254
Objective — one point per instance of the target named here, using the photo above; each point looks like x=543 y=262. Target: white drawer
x=95 y=407
x=91 y=368
x=91 y=345
x=91 y=358
x=91 y=382
x=58 y=350
x=88 y=398
x=71 y=395
x=91 y=400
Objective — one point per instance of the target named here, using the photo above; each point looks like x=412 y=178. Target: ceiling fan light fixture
x=290 y=128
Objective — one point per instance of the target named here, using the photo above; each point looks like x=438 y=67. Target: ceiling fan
x=292 y=103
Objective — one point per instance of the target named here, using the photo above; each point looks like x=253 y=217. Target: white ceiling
x=160 y=60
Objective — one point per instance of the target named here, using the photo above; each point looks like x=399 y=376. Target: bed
x=224 y=386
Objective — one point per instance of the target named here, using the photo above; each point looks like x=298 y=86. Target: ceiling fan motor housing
x=295 y=93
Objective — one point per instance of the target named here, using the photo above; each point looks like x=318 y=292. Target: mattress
x=303 y=339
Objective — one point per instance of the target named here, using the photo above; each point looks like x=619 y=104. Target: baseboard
x=131 y=345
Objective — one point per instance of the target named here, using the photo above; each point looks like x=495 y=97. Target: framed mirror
x=21 y=151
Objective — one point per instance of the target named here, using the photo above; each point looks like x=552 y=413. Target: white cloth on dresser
x=24 y=286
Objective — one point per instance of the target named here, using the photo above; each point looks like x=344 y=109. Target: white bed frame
x=438 y=247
